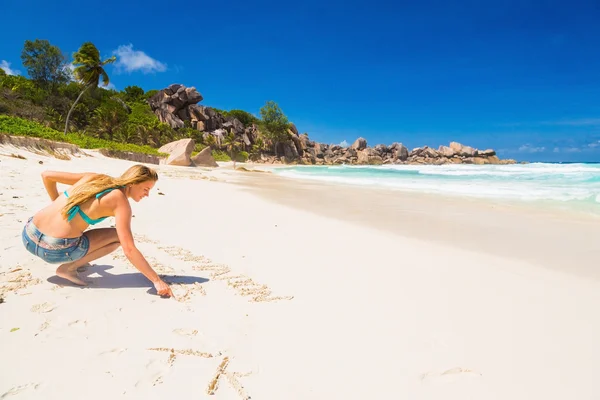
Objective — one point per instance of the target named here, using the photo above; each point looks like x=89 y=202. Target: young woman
x=57 y=234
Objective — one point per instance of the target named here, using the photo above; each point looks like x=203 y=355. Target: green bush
x=219 y=155
x=22 y=127
x=242 y=156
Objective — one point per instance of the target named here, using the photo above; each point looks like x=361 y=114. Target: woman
x=56 y=233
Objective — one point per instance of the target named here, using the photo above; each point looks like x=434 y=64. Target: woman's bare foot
x=84 y=267
x=70 y=274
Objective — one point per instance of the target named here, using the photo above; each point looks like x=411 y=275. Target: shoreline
x=460 y=221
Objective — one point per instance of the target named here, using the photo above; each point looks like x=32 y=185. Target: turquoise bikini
x=75 y=210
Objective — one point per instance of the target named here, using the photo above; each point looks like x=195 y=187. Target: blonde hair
x=86 y=191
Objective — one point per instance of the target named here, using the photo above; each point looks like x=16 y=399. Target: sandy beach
x=295 y=290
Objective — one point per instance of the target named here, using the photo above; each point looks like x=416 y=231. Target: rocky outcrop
x=171 y=105
x=397 y=153
x=177 y=106
x=204 y=158
x=179 y=152
x=128 y=155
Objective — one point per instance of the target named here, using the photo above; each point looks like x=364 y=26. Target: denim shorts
x=53 y=250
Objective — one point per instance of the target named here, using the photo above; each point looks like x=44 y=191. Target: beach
x=287 y=289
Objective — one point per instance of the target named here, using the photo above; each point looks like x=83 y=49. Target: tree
x=243 y=116
x=274 y=123
x=89 y=69
x=108 y=118
x=232 y=145
x=133 y=94
x=45 y=63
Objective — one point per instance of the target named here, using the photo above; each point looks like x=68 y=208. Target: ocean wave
x=531 y=182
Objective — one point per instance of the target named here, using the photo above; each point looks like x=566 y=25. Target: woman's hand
x=162 y=288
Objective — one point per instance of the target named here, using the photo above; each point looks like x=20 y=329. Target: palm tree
x=89 y=69
x=231 y=143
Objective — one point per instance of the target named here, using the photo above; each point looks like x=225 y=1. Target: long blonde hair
x=135 y=174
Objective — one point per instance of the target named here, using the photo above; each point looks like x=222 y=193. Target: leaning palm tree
x=88 y=71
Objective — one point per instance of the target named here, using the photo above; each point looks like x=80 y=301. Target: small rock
x=16 y=197
x=40 y=162
x=161 y=193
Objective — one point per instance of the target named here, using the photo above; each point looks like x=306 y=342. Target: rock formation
x=177 y=105
x=204 y=159
x=179 y=152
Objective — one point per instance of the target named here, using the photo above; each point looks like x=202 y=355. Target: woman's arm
x=123 y=224
x=51 y=178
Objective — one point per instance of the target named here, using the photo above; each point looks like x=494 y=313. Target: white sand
x=374 y=314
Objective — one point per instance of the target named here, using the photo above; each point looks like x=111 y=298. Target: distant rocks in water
x=360 y=154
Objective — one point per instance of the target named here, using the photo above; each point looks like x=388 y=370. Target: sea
x=572 y=186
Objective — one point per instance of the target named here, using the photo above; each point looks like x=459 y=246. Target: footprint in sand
x=154 y=374
x=42 y=308
x=20 y=389
x=115 y=351
x=186 y=332
x=79 y=323
x=43 y=327
x=449 y=376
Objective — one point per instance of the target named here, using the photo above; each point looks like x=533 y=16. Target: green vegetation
x=220 y=155
x=274 y=123
x=45 y=63
x=59 y=96
x=22 y=127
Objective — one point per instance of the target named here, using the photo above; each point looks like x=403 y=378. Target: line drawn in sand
x=243 y=284
x=19 y=389
x=449 y=375
x=16 y=279
x=42 y=308
x=232 y=378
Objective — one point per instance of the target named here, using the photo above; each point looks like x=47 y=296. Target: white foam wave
x=563 y=190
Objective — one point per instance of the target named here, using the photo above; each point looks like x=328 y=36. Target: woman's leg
x=102 y=242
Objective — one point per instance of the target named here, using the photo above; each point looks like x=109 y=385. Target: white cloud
x=5 y=65
x=594 y=145
x=107 y=87
x=556 y=150
x=574 y=122
x=572 y=149
x=131 y=60
x=344 y=144
x=526 y=148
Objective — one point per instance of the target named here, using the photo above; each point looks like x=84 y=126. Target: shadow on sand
x=107 y=280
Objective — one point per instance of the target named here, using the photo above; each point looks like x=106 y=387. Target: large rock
x=204 y=158
x=171 y=105
x=486 y=153
x=369 y=156
x=446 y=151
x=359 y=144
x=179 y=152
x=399 y=151
x=298 y=144
x=464 y=151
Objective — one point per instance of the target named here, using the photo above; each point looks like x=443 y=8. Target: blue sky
x=522 y=77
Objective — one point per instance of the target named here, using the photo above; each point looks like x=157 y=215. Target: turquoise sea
x=573 y=186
